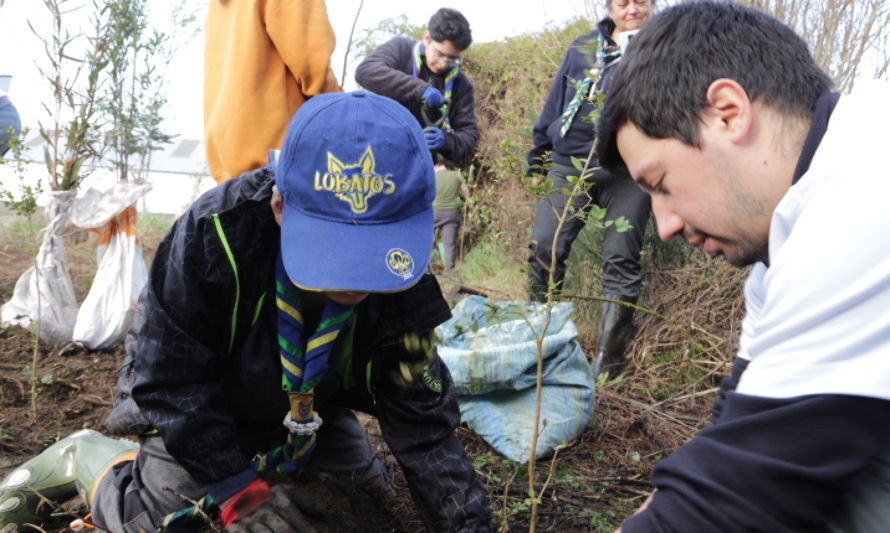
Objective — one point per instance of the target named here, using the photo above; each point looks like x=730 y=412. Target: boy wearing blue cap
x=296 y=292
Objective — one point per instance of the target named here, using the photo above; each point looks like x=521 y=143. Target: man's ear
x=729 y=110
x=277 y=204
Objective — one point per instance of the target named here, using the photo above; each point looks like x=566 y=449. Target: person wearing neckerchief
x=279 y=303
x=565 y=130
x=425 y=77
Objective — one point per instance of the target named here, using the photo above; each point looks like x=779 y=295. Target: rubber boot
x=72 y=466
x=616 y=332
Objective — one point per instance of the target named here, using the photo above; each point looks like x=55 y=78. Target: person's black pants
x=621 y=250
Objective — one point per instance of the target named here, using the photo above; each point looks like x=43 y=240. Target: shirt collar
x=824 y=107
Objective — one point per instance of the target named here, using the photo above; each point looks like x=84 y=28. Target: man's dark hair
x=661 y=83
x=449 y=24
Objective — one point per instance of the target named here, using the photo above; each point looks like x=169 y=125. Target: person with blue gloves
x=278 y=304
x=425 y=77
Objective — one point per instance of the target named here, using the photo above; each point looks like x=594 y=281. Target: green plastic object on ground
x=69 y=467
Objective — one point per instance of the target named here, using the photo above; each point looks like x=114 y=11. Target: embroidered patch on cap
x=354 y=183
x=400 y=263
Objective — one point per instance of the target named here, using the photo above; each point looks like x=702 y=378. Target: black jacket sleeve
x=777 y=465
x=185 y=343
x=418 y=424
x=178 y=364
x=418 y=420
x=387 y=71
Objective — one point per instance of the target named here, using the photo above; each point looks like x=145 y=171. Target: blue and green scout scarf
x=449 y=80
x=304 y=364
x=589 y=81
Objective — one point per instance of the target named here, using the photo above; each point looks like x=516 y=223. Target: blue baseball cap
x=358 y=186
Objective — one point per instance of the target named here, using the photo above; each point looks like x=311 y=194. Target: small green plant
x=73 y=134
x=133 y=99
x=484 y=266
x=490 y=465
x=605 y=381
x=602 y=521
x=24 y=204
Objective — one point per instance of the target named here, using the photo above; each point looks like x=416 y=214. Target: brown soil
x=590 y=486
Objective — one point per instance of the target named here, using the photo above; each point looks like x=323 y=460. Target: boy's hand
x=260 y=507
x=433 y=97
x=421 y=353
x=435 y=137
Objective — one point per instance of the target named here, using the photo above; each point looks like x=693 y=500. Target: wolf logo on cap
x=355 y=188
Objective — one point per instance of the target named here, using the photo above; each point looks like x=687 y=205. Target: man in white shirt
x=749 y=155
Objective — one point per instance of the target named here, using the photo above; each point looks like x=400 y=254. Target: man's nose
x=669 y=223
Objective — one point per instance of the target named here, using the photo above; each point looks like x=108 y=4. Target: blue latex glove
x=433 y=97
x=435 y=137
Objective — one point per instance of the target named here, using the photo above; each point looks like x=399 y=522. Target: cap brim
x=331 y=256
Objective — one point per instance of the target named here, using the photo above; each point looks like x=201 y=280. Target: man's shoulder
x=584 y=40
x=583 y=47
x=463 y=84
x=399 y=43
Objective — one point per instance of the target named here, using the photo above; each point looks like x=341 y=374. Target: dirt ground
x=590 y=486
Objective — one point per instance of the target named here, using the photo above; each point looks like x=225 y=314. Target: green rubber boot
x=69 y=467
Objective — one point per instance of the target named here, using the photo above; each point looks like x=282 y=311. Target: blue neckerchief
x=450 y=76
x=590 y=80
x=304 y=364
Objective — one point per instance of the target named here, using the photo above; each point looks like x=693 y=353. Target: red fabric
x=245 y=502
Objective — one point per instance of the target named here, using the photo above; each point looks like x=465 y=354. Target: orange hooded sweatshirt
x=263 y=59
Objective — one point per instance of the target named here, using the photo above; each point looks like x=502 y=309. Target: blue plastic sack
x=490 y=349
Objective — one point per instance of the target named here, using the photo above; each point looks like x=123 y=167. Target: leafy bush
x=511 y=80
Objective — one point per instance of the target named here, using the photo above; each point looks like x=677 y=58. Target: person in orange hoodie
x=263 y=60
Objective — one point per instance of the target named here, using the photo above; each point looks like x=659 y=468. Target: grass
x=20 y=229
x=154 y=223
x=488 y=268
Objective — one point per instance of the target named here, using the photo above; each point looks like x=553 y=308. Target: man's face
x=440 y=55
x=700 y=195
x=629 y=14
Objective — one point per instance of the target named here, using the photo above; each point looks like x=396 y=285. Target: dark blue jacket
x=579 y=138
